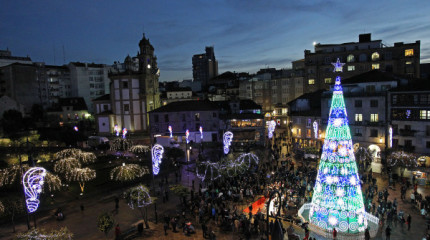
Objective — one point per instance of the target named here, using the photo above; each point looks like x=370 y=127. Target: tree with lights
x=105 y=223
x=337 y=201
x=12 y=174
x=87 y=157
x=66 y=165
x=51 y=182
x=81 y=175
x=1 y=208
x=68 y=153
x=128 y=172
x=37 y=233
x=138 y=197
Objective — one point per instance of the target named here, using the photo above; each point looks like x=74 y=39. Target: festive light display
x=271 y=128
x=11 y=174
x=124 y=132
x=337 y=201
x=128 y=172
x=138 y=197
x=52 y=182
x=41 y=234
x=68 y=153
x=116 y=130
x=1 y=208
x=170 y=131
x=121 y=144
x=390 y=137
x=81 y=175
x=248 y=159
x=402 y=159
x=227 y=139
x=187 y=135
x=87 y=157
x=66 y=165
x=137 y=149
x=208 y=171
x=157 y=155
x=33 y=182
x=201 y=132
x=76 y=128
x=315 y=126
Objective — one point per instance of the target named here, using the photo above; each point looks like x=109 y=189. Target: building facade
x=360 y=57
x=205 y=66
x=6 y=58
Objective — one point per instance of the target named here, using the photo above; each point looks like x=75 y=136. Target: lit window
x=309 y=133
x=375 y=66
x=424 y=114
x=375 y=56
x=358 y=117
x=409 y=52
x=408 y=62
x=311 y=81
x=299 y=132
x=351 y=68
x=327 y=80
x=350 y=58
x=374 y=117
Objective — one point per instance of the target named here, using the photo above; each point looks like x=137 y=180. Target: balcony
x=407 y=132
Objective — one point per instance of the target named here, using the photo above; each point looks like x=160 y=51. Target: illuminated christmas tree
x=337 y=201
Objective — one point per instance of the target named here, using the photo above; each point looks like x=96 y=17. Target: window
x=126 y=107
x=373 y=103
x=394 y=98
x=214 y=114
x=309 y=123
x=428 y=130
x=299 y=132
x=309 y=133
x=358 y=103
x=166 y=117
x=358 y=132
x=125 y=84
x=363 y=57
x=156 y=118
x=424 y=114
x=358 y=117
x=374 y=117
x=105 y=107
x=350 y=58
x=327 y=80
x=351 y=68
x=370 y=88
x=427 y=144
x=408 y=62
x=375 y=56
x=388 y=55
x=373 y=132
x=197 y=116
x=311 y=81
x=409 y=52
x=375 y=66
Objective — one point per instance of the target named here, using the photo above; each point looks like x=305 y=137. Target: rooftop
x=184 y=106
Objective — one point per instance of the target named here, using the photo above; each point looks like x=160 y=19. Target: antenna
x=64 y=55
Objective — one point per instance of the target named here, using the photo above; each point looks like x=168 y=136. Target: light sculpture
x=116 y=130
x=208 y=171
x=337 y=201
x=124 y=132
x=170 y=130
x=76 y=128
x=227 y=139
x=390 y=137
x=315 y=125
x=271 y=128
x=33 y=182
x=201 y=132
x=187 y=135
x=139 y=197
x=157 y=155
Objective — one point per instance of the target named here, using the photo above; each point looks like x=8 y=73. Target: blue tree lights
x=33 y=183
x=337 y=201
x=271 y=128
x=227 y=139
x=157 y=155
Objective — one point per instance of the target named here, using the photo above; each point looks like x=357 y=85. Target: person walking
x=117 y=232
x=367 y=234
x=116 y=204
x=166 y=226
x=334 y=233
x=408 y=221
x=387 y=233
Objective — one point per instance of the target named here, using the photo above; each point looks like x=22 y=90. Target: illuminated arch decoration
x=271 y=128
x=201 y=132
x=170 y=131
x=315 y=126
x=209 y=171
x=33 y=182
x=227 y=139
x=248 y=159
x=338 y=201
x=157 y=155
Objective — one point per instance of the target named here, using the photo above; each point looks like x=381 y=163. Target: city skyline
x=246 y=35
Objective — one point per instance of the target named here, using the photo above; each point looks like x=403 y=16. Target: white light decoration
x=157 y=155
x=33 y=182
x=201 y=132
x=116 y=130
x=170 y=130
x=136 y=149
x=390 y=137
x=187 y=135
x=76 y=128
x=227 y=139
x=332 y=220
x=128 y=172
x=124 y=132
x=208 y=171
x=138 y=197
x=338 y=66
x=271 y=128
x=315 y=125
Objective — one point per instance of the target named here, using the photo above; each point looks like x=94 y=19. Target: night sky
x=247 y=34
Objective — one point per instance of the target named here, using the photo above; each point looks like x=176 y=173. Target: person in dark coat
x=388 y=232
x=408 y=221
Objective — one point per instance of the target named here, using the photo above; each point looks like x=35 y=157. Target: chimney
x=366 y=37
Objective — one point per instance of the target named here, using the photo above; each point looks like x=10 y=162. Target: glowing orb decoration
x=271 y=128
x=124 y=132
x=227 y=139
x=116 y=130
x=187 y=135
x=75 y=128
x=332 y=220
x=170 y=131
x=33 y=182
x=315 y=126
x=157 y=155
x=201 y=132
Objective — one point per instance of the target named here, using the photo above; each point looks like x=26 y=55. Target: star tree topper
x=338 y=66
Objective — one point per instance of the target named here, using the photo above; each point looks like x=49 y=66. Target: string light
x=201 y=132
x=136 y=149
x=315 y=126
x=208 y=171
x=87 y=157
x=68 y=153
x=121 y=144
x=138 y=197
x=157 y=155
x=337 y=201
x=66 y=165
x=116 y=130
x=271 y=128
x=128 y=172
x=1 y=208
x=52 y=182
x=171 y=131
x=11 y=174
x=227 y=139
x=33 y=182
x=40 y=234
